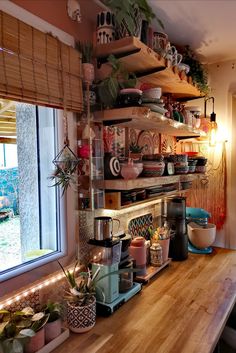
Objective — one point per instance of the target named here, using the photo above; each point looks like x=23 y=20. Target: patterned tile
x=139 y=226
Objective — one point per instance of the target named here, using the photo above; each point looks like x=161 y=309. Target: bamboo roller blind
x=37 y=68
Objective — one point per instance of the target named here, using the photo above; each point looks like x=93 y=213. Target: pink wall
x=55 y=12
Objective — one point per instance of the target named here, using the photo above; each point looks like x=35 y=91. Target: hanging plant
x=197 y=70
x=65 y=173
x=66 y=164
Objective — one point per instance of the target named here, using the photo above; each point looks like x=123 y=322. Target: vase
x=81 y=318
x=52 y=330
x=165 y=244
x=36 y=342
x=105 y=31
x=111 y=166
x=88 y=72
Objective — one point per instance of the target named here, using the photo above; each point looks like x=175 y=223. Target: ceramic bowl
x=200 y=169
x=184 y=67
x=153 y=93
x=191 y=168
x=181 y=170
x=201 y=237
x=177 y=158
x=153 y=169
x=129 y=171
x=138 y=165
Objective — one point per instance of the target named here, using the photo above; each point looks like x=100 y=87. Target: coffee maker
x=174 y=214
x=110 y=255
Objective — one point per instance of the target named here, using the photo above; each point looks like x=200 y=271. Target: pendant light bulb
x=213 y=130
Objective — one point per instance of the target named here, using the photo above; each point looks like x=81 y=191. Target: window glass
x=29 y=207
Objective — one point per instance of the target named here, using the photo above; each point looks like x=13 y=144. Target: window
x=31 y=232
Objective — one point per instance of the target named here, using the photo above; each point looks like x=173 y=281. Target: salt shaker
x=156 y=254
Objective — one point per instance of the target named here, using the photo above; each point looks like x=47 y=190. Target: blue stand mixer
x=201 y=234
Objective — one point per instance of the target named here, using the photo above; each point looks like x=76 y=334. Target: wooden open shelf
x=142 y=183
x=148 y=66
x=135 y=55
x=143 y=118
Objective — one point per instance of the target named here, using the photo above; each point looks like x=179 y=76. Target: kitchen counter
x=182 y=310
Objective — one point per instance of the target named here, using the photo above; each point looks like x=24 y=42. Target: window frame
x=46 y=264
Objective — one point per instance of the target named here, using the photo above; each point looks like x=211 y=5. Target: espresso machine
x=109 y=253
x=174 y=214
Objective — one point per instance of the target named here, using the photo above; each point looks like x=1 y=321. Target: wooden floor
x=182 y=310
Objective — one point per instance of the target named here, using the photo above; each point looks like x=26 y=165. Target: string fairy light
x=23 y=294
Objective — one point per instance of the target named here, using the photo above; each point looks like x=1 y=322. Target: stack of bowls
x=127 y=197
x=129 y=97
x=180 y=162
x=192 y=165
x=153 y=168
x=201 y=164
x=157 y=157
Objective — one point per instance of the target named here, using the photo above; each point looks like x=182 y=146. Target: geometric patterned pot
x=81 y=318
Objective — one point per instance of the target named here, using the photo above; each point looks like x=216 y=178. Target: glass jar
x=156 y=254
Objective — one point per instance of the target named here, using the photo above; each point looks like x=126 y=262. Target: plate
x=155 y=108
x=145 y=140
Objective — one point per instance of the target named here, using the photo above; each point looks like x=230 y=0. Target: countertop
x=182 y=310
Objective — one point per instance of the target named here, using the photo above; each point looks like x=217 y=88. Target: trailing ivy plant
x=119 y=78
x=197 y=70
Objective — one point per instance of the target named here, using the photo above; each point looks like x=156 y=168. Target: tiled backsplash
x=126 y=217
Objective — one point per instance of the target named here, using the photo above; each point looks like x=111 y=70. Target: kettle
x=103 y=227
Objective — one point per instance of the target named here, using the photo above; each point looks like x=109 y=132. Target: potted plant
x=86 y=49
x=118 y=78
x=129 y=15
x=38 y=321
x=54 y=324
x=14 y=331
x=135 y=151
x=80 y=299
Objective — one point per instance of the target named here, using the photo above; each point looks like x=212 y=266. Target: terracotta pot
x=81 y=318
x=52 y=330
x=88 y=72
x=36 y=342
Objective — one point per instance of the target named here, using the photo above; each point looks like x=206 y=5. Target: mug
x=160 y=41
x=177 y=58
x=170 y=52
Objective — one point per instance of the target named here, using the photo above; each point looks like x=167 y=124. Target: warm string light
x=31 y=290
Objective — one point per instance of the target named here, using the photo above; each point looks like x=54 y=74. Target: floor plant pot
x=52 y=330
x=81 y=318
x=36 y=342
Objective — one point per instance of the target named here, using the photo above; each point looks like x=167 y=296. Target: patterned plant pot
x=81 y=318
x=88 y=72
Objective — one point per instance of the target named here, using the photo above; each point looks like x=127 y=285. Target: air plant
x=66 y=164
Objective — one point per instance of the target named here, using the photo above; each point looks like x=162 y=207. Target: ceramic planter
x=88 y=72
x=81 y=318
x=36 y=342
x=52 y=330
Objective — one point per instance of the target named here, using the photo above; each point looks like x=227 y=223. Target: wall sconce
x=213 y=124
x=73 y=10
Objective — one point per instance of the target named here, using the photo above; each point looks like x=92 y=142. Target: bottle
x=156 y=254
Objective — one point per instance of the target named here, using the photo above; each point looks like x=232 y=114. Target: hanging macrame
x=66 y=164
x=209 y=190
